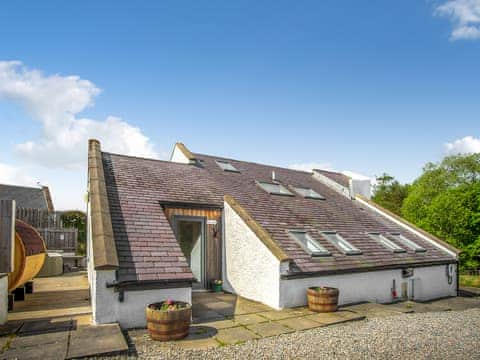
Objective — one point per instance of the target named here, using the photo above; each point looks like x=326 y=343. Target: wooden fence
x=60 y=239
x=7 y=218
x=39 y=218
x=51 y=227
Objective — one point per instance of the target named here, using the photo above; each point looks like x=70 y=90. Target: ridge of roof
x=214 y=157
x=22 y=186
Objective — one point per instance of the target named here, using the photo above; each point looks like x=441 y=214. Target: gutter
x=302 y=275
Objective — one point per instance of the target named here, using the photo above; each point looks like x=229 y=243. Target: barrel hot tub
x=29 y=255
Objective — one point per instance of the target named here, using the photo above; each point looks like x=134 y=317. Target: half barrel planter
x=322 y=299
x=166 y=325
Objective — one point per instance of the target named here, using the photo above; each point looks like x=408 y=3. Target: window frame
x=316 y=195
x=407 y=242
x=287 y=193
x=219 y=162
x=353 y=249
x=321 y=253
x=386 y=242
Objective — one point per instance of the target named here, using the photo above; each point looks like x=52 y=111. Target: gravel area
x=435 y=335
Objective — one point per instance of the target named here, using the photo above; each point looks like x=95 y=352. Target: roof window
x=387 y=243
x=275 y=189
x=226 y=166
x=341 y=243
x=308 y=193
x=310 y=245
x=415 y=247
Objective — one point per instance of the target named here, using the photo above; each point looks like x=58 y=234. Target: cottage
x=162 y=229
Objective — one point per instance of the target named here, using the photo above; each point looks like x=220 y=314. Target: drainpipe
x=458 y=276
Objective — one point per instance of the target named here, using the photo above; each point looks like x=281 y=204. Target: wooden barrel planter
x=168 y=320
x=322 y=299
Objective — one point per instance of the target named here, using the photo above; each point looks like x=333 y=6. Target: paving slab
x=300 y=323
x=207 y=315
x=96 y=340
x=249 y=319
x=55 y=351
x=221 y=324
x=10 y=328
x=459 y=303
x=45 y=326
x=337 y=317
x=39 y=340
x=269 y=329
x=281 y=314
x=235 y=335
x=373 y=310
x=199 y=337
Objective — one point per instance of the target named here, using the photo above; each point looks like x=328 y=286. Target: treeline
x=444 y=200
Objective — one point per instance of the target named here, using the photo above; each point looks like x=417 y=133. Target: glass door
x=190 y=235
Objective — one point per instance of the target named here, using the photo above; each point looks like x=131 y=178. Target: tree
x=445 y=201
x=389 y=193
x=77 y=219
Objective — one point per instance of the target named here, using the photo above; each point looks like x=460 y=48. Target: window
x=310 y=245
x=387 y=243
x=226 y=166
x=275 y=189
x=308 y=193
x=341 y=243
x=408 y=242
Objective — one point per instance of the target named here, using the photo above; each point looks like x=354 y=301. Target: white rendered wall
x=131 y=312
x=375 y=286
x=107 y=308
x=178 y=156
x=3 y=299
x=250 y=269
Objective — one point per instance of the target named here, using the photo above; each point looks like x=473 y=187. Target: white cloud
x=465 y=18
x=310 y=166
x=16 y=176
x=56 y=101
x=466 y=145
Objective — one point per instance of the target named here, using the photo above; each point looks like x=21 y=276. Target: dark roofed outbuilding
x=28 y=197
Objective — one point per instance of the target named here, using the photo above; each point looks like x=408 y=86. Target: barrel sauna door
x=190 y=234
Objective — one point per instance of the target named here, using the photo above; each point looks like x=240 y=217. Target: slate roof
x=147 y=248
x=340 y=178
x=26 y=197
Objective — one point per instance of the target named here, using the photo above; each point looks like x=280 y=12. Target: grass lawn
x=470 y=280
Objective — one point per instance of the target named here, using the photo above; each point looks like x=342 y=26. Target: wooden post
x=7 y=235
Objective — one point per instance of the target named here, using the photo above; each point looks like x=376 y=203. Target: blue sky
x=363 y=86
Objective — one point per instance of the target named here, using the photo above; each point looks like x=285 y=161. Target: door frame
x=203 y=244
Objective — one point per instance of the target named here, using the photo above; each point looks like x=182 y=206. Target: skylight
x=308 y=193
x=226 y=166
x=408 y=242
x=276 y=189
x=387 y=243
x=308 y=244
x=341 y=243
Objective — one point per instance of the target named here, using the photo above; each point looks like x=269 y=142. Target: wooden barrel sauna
x=322 y=299
x=165 y=325
x=29 y=255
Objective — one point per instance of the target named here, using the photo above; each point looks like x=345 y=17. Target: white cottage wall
x=250 y=269
x=375 y=286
